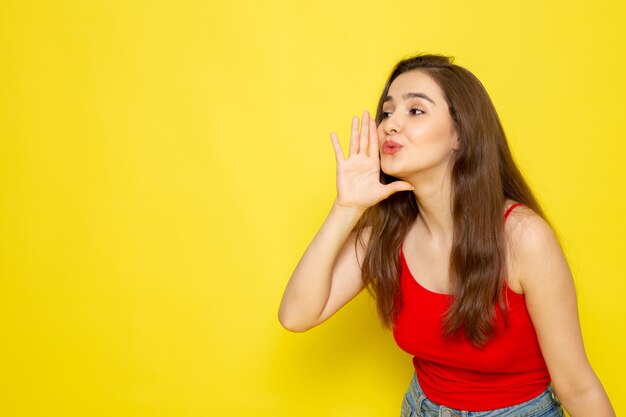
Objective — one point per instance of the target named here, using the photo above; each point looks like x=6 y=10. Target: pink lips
x=391 y=147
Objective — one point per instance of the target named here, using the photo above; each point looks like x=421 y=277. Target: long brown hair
x=483 y=175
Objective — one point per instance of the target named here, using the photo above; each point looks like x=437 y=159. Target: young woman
x=435 y=219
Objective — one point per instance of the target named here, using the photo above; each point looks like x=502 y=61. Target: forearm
x=308 y=289
x=589 y=401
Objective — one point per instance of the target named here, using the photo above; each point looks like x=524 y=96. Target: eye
x=386 y=114
x=416 y=110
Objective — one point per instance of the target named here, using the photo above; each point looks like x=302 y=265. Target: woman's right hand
x=358 y=176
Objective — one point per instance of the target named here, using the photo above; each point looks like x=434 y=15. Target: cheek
x=438 y=131
x=421 y=133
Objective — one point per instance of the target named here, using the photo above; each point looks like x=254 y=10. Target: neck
x=434 y=200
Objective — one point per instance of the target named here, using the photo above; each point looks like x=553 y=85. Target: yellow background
x=164 y=164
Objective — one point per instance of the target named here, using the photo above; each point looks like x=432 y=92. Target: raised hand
x=358 y=176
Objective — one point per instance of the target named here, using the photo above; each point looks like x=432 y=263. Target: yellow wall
x=163 y=165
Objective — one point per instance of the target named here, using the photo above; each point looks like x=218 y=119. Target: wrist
x=347 y=211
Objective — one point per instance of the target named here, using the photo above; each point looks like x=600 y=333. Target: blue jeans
x=415 y=404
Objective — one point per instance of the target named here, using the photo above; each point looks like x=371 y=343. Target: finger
x=354 y=136
x=337 y=147
x=365 y=122
x=373 y=150
x=396 y=187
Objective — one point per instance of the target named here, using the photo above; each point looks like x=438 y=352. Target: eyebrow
x=411 y=95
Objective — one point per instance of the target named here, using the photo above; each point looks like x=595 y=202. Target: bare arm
x=551 y=301
x=328 y=274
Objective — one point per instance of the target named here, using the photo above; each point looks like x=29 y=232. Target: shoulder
x=527 y=228
x=531 y=245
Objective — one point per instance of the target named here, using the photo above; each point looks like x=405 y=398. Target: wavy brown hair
x=483 y=175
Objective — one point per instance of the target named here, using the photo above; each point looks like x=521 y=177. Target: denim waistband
x=415 y=404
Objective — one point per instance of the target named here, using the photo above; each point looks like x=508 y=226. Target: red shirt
x=508 y=370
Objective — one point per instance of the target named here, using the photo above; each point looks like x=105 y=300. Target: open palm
x=358 y=176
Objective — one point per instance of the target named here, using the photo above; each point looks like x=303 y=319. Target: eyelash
x=386 y=113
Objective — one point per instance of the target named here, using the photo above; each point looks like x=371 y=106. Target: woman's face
x=416 y=134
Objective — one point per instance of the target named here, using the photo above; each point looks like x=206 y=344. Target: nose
x=391 y=125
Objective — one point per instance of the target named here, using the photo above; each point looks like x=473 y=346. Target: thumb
x=397 y=186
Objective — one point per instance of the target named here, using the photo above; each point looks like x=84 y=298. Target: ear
x=457 y=144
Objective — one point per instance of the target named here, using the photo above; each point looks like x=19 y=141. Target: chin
x=393 y=173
